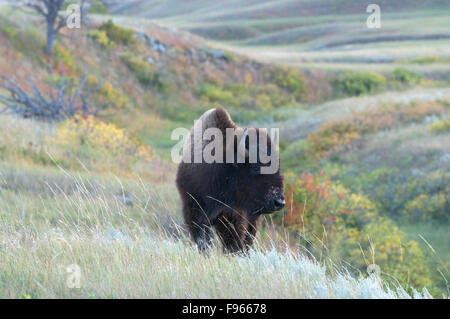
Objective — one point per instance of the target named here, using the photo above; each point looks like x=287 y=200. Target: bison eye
x=254 y=170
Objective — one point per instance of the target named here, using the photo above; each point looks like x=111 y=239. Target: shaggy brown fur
x=227 y=197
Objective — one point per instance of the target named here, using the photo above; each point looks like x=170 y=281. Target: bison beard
x=227 y=197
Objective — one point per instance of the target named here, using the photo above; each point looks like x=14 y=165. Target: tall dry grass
x=128 y=240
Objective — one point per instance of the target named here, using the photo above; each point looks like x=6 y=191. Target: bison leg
x=231 y=230
x=198 y=224
x=202 y=235
x=201 y=232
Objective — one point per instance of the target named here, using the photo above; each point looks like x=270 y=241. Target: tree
x=50 y=10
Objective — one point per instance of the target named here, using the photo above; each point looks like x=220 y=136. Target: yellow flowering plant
x=90 y=139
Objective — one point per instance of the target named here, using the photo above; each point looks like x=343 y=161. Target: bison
x=229 y=197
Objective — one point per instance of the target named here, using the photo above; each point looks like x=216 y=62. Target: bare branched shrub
x=65 y=99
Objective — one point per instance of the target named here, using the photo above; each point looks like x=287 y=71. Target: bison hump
x=217 y=117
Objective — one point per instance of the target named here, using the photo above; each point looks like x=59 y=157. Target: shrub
x=297 y=154
x=260 y=97
x=393 y=190
x=10 y=33
x=290 y=79
x=427 y=207
x=400 y=261
x=429 y=198
x=278 y=97
x=28 y=41
x=237 y=88
x=333 y=136
x=441 y=126
x=213 y=94
x=118 y=34
x=102 y=93
x=97 y=7
x=427 y=59
x=318 y=205
x=100 y=37
x=179 y=112
x=62 y=55
x=114 y=96
x=406 y=77
x=93 y=133
x=357 y=83
x=107 y=93
x=90 y=139
x=263 y=102
x=334 y=223
x=230 y=56
x=141 y=68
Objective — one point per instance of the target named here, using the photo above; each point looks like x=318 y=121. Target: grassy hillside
x=330 y=35
x=365 y=154
x=223 y=10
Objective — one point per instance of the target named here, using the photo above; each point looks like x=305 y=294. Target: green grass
x=433 y=238
x=437 y=235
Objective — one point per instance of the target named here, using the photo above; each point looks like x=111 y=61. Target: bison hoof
x=203 y=244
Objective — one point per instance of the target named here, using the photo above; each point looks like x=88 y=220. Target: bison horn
x=241 y=146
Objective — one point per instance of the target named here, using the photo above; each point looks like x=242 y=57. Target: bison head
x=259 y=181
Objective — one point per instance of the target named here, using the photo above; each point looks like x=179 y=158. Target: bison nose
x=279 y=203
